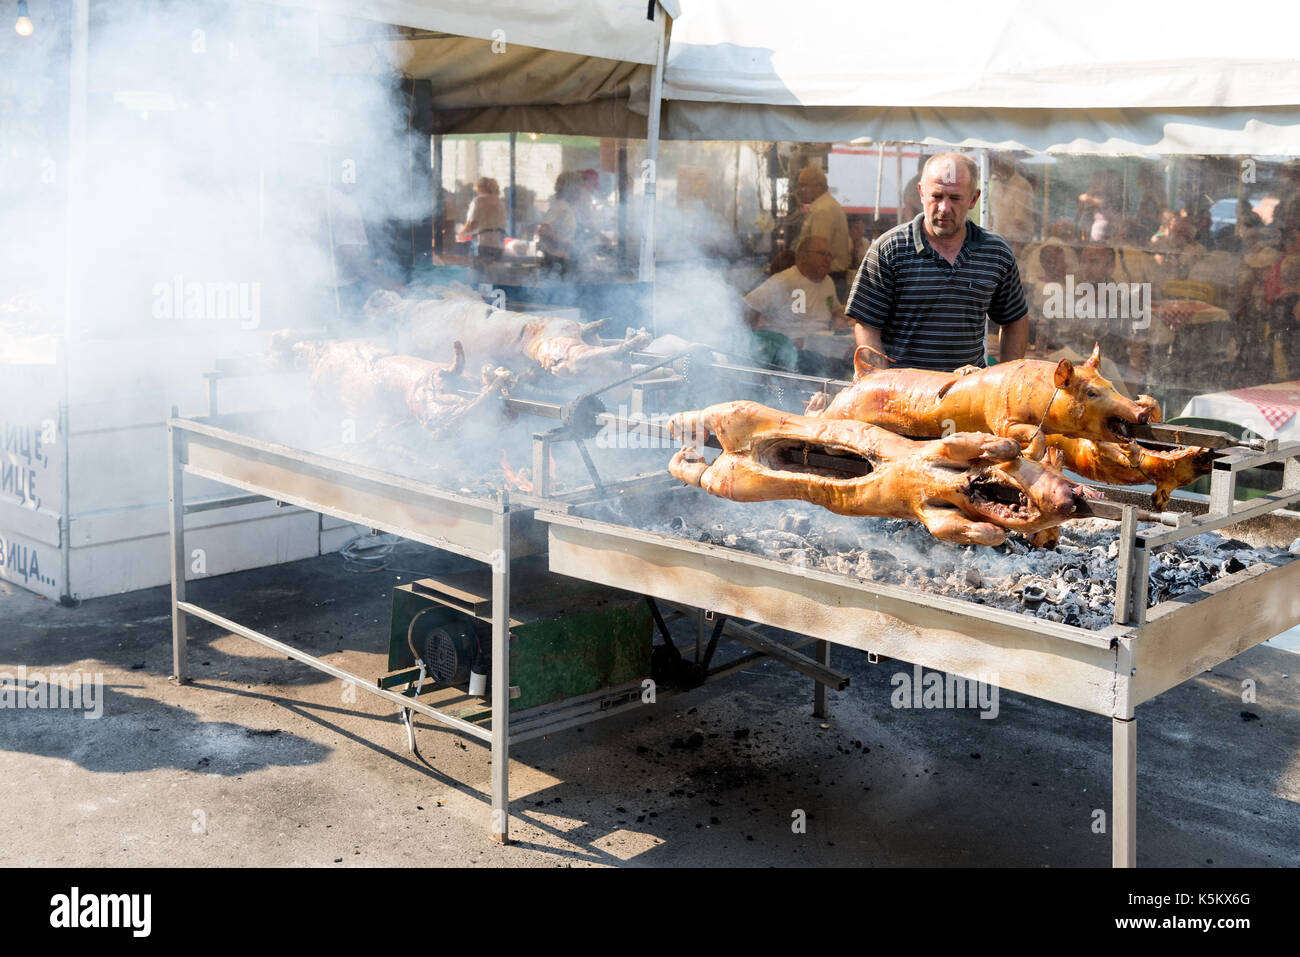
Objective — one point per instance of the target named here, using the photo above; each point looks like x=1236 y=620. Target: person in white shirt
x=825 y=218
x=558 y=233
x=799 y=301
x=486 y=222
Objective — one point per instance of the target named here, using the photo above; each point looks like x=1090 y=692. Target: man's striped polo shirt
x=931 y=314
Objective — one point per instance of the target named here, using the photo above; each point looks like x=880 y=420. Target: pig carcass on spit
x=377 y=386
x=1069 y=409
x=1128 y=463
x=428 y=327
x=1021 y=400
x=969 y=487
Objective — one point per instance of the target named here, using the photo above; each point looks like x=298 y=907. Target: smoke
x=198 y=224
x=213 y=133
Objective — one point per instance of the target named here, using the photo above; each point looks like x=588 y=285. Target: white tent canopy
x=557 y=67
x=1108 y=77
x=609 y=29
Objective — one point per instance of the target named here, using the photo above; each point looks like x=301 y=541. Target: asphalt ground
x=262 y=761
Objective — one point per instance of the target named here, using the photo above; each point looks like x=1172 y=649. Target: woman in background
x=487 y=220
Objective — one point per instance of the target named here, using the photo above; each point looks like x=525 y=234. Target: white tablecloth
x=1272 y=411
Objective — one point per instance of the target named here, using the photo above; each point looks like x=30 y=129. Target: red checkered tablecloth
x=1277 y=403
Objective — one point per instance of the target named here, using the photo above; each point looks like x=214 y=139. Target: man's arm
x=865 y=335
x=1013 y=339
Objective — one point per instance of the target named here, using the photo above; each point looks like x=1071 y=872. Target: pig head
x=970 y=488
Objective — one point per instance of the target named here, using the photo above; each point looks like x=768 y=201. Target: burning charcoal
x=772 y=537
x=1237 y=545
x=1231 y=565
x=973 y=577
x=881 y=557
x=794 y=522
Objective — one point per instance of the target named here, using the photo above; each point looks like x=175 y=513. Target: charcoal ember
x=775 y=538
x=1231 y=565
x=794 y=522
x=1237 y=545
x=1072 y=573
x=879 y=556
x=973 y=577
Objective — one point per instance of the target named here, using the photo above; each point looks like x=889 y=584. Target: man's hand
x=865 y=335
x=1013 y=339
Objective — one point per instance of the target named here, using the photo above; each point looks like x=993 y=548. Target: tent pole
x=439 y=204
x=898 y=164
x=1047 y=197
x=880 y=177
x=510 y=211
x=646 y=273
x=73 y=276
x=984 y=189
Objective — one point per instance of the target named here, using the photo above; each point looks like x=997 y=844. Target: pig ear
x=1064 y=372
x=862 y=362
x=1094 y=360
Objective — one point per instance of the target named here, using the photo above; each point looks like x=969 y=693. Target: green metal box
x=567 y=637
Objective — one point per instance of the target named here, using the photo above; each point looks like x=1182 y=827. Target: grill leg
x=176 y=498
x=1123 y=813
x=819 y=689
x=501 y=684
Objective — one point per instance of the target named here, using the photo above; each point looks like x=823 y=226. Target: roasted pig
x=381 y=388
x=515 y=340
x=1128 y=463
x=1082 y=418
x=969 y=487
x=1022 y=400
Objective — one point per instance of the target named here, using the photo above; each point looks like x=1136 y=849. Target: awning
x=1110 y=76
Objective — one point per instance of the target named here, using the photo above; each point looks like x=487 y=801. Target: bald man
x=925 y=288
x=825 y=218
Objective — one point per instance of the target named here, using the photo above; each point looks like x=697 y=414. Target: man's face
x=947 y=195
x=815 y=261
x=1096 y=265
x=856 y=229
x=805 y=189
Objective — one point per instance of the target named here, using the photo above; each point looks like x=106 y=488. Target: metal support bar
x=713 y=642
x=501 y=675
x=1123 y=611
x=1210 y=521
x=1223 y=490
x=176 y=500
x=753 y=658
x=1123 y=813
x=820 y=709
x=542 y=442
x=363 y=684
x=231 y=502
x=817 y=669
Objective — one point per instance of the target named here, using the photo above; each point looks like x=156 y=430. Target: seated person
x=799 y=301
x=1180 y=250
x=1133 y=260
